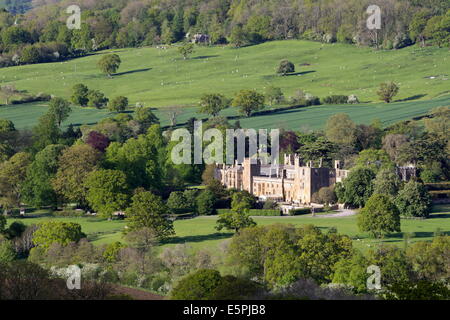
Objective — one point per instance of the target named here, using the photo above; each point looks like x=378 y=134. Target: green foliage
x=414 y=200
x=248 y=101
x=335 y=99
x=109 y=64
x=96 y=99
x=325 y=195
x=186 y=50
x=7 y=253
x=107 y=191
x=285 y=67
x=356 y=188
x=118 y=104
x=242 y=200
x=235 y=221
x=52 y=232
x=387 y=182
x=341 y=129
x=149 y=211
x=212 y=104
x=379 y=216
x=274 y=95
x=80 y=95
x=111 y=252
x=206 y=201
x=374 y=160
x=352 y=272
x=60 y=109
x=420 y=290
x=387 y=91
x=37 y=189
x=197 y=286
x=46 y=132
x=74 y=166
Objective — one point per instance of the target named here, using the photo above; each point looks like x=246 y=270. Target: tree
x=96 y=99
x=387 y=182
x=145 y=117
x=352 y=272
x=37 y=189
x=109 y=64
x=12 y=178
x=238 y=36
x=212 y=104
x=186 y=49
x=46 y=132
x=248 y=101
x=356 y=188
x=379 y=216
x=149 y=211
x=51 y=232
x=235 y=220
x=97 y=141
x=8 y=91
x=177 y=202
x=107 y=191
x=341 y=129
x=60 y=109
x=80 y=95
x=387 y=91
x=325 y=195
x=197 y=286
x=118 y=104
x=242 y=200
x=414 y=200
x=205 y=203
x=285 y=67
x=375 y=160
x=74 y=166
x=6 y=126
x=7 y=253
x=274 y=95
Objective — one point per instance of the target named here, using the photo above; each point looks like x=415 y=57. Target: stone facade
x=293 y=182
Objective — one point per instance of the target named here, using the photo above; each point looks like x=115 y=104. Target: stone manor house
x=293 y=182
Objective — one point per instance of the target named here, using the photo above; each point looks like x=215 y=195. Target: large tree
x=51 y=232
x=37 y=189
x=341 y=129
x=248 y=101
x=75 y=164
x=60 y=109
x=107 y=191
x=149 y=211
x=387 y=91
x=213 y=103
x=356 y=188
x=414 y=200
x=379 y=216
x=109 y=64
x=12 y=178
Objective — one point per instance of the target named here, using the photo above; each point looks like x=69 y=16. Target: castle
x=293 y=182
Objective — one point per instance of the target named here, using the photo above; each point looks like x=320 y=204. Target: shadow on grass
x=299 y=73
x=416 y=97
x=132 y=71
x=417 y=234
x=204 y=57
x=200 y=238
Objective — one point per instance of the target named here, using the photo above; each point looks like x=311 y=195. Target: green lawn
x=158 y=78
x=200 y=233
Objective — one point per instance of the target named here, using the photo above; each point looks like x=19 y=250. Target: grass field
x=200 y=233
x=160 y=77
x=26 y=115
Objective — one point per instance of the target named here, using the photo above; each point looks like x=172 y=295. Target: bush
x=256 y=212
x=197 y=286
x=298 y=212
x=336 y=99
x=285 y=67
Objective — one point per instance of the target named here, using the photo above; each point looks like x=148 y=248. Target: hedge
x=256 y=212
x=438 y=186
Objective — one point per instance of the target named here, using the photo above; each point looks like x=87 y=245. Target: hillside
x=160 y=77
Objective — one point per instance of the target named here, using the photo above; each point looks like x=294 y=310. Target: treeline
x=112 y=24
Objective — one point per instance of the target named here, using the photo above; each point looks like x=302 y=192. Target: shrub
x=335 y=99
x=285 y=67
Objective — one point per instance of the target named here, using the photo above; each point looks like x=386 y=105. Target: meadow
x=160 y=77
x=200 y=233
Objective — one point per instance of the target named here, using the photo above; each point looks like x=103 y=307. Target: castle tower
x=250 y=170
